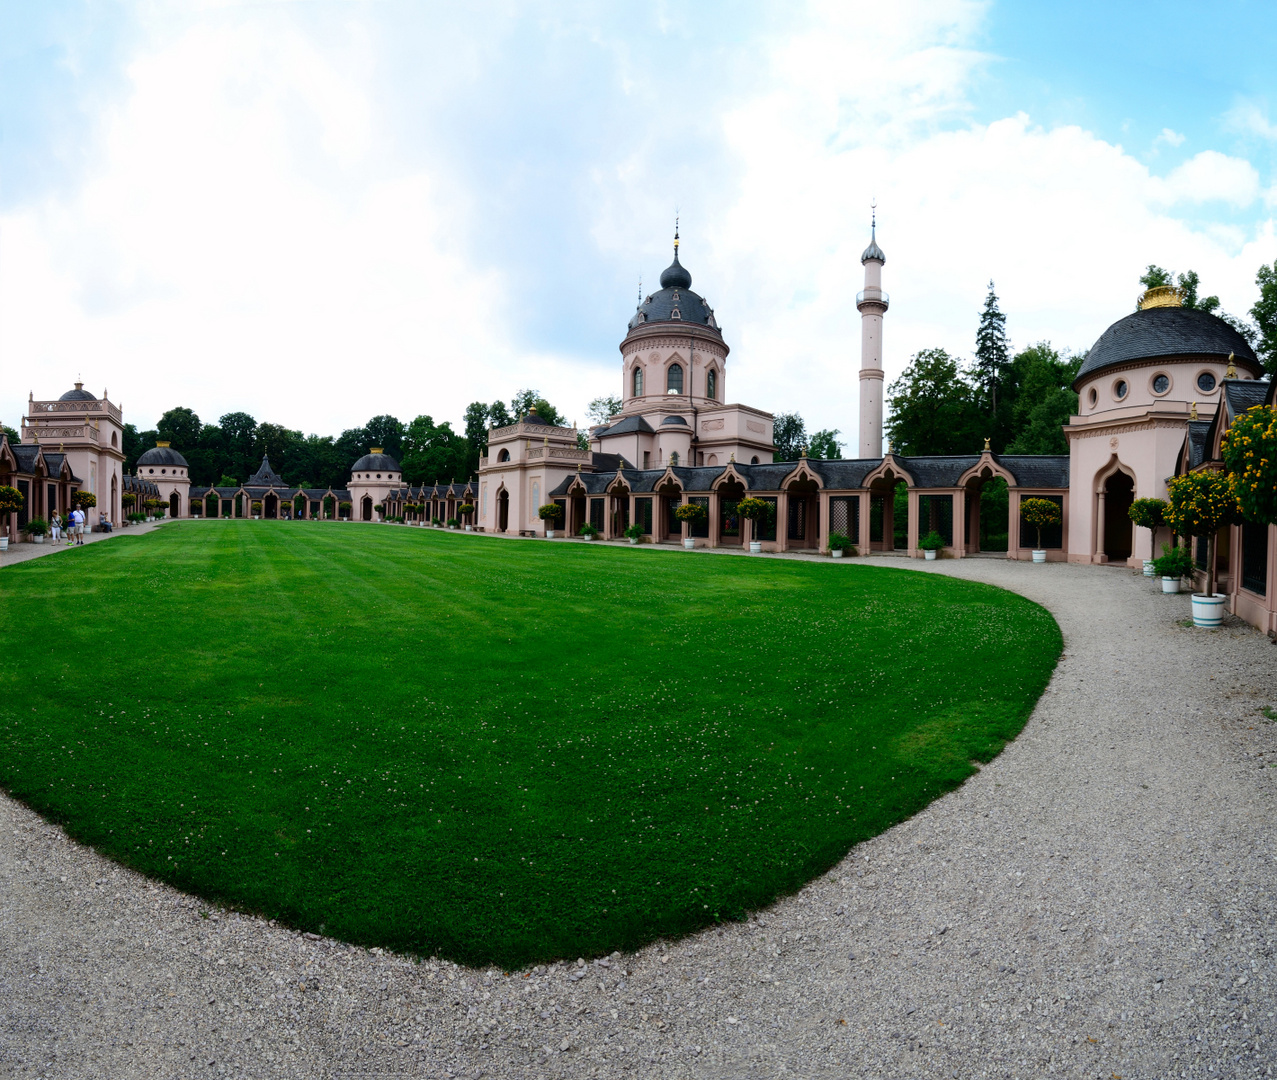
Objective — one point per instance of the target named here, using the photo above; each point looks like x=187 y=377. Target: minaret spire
x=872 y=304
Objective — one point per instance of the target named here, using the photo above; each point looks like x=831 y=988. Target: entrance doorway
x=270 y=506
x=988 y=513
x=503 y=511
x=365 y=508
x=175 y=505
x=1119 y=493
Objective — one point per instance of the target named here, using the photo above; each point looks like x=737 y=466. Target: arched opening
x=174 y=502
x=729 y=521
x=365 y=508
x=668 y=496
x=804 y=514
x=638 y=381
x=270 y=506
x=503 y=455
x=754 y=460
x=674 y=379
x=1119 y=493
x=888 y=513
x=115 y=501
x=619 y=509
x=212 y=504
x=711 y=384
x=988 y=513
x=503 y=511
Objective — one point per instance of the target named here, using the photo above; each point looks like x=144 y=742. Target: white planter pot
x=1148 y=567
x=632 y=539
x=755 y=547
x=1039 y=556
x=1170 y=584
x=257 y=517
x=4 y=543
x=689 y=542
x=588 y=537
x=38 y=539
x=1209 y=611
x=836 y=553
x=549 y=534
x=930 y=556
x=469 y=528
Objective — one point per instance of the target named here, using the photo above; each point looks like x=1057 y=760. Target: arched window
x=711 y=384
x=674 y=379
x=638 y=381
x=754 y=460
x=504 y=455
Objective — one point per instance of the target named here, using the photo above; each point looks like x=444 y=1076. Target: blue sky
x=321 y=211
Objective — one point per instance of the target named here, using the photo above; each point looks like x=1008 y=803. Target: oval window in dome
x=1119 y=389
x=1092 y=397
x=1161 y=383
x=1206 y=382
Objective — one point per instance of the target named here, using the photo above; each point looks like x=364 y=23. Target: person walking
x=55 y=526
x=77 y=525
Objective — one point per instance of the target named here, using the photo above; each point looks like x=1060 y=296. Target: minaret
x=873 y=305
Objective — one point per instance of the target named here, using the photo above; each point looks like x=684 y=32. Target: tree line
x=229 y=452
x=1021 y=401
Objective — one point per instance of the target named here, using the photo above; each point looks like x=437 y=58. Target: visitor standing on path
x=55 y=526
x=77 y=525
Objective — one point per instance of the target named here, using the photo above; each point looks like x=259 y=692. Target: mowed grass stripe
x=498 y=752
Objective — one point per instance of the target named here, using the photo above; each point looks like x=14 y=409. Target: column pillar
x=1099 y=555
x=911 y=544
x=782 y=521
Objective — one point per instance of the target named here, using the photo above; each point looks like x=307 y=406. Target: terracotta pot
x=1209 y=611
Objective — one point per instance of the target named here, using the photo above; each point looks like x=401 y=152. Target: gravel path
x=1099 y=901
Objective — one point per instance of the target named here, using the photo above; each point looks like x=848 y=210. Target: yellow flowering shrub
x=1250 y=452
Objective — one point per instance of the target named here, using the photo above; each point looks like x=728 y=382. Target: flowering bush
x=1202 y=503
x=1250 y=452
x=465 y=508
x=1039 y=514
x=84 y=499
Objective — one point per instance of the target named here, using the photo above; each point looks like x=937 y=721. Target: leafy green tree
x=992 y=354
x=789 y=433
x=934 y=407
x=387 y=432
x=12 y=435
x=180 y=427
x=602 y=409
x=1191 y=284
x=1265 y=315
x=498 y=415
x=526 y=400
x=239 y=431
x=1041 y=400
x=131 y=446
x=476 y=424
x=824 y=444
x=434 y=453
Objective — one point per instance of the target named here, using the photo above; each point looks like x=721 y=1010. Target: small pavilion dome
x=162 y=454
x=375 y=461
x=78 y=394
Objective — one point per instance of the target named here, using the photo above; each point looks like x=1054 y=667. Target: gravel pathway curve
x=1099 y=901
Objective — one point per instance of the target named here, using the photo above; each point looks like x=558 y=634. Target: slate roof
x=1036 y=470
x=265 y=476
x=27 y=454
x=1242 y=394
x=673 y=421
x=609 y=462
x=78 y=394
x=161 y=455
x=1198 y=441
x=675 y=301
x=629 y=426
x=1160 y=332
x=375 y=463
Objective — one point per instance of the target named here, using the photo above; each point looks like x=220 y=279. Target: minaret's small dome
x=675 y=276
x=873 y=251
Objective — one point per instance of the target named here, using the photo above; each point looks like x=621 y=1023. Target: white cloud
x=1249 y=118
x=249 y=240
x=1170 y=138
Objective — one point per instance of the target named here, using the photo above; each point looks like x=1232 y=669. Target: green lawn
x=488 y=750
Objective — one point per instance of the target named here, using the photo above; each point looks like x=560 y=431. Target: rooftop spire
x=873 y=251
x=675 y=276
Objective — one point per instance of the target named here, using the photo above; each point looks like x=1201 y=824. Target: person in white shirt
x=77 y=524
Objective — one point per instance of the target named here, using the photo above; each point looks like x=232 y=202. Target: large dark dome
x=675 y=302
x=78 y=394
x=1162 y=332
x=161 y=455
x=375 y=463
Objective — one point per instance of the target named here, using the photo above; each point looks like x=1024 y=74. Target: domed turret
x=376 y=461
x=161 y=454
x=675 y=276
x=675 y=302
x=78 y=394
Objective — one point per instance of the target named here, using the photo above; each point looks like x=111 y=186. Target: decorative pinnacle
x=1231 y=373
x=675 y=233
x=986 y=444
x=1192 y=413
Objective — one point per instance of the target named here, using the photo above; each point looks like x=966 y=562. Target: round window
x=1092 y=397
x=1119 y=389
x=1205 y=382
x=1161 y=383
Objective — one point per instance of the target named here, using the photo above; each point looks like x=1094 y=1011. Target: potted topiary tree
x=755 y=511
x=589 y=532
x=1149 y=514
x=932 y=543
x=257 y=509
x=840 y=544
x=1202 y=503
x=550 y=514
x=691 y=513
x=343 y=510
x=1174 y=564
x=1250 y=452
x=36 y=528
x=11 y=501
x=453 y=523
x=634 y=533
x=465 y=510
x=1039 y=514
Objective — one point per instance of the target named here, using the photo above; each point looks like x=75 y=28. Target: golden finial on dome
x=1231 y=373
x=1161 y=296
x=1192 y=413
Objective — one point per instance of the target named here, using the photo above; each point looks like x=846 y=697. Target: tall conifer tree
x=992 y=354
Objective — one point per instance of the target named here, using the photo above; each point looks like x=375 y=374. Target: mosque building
x=1157 y=393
